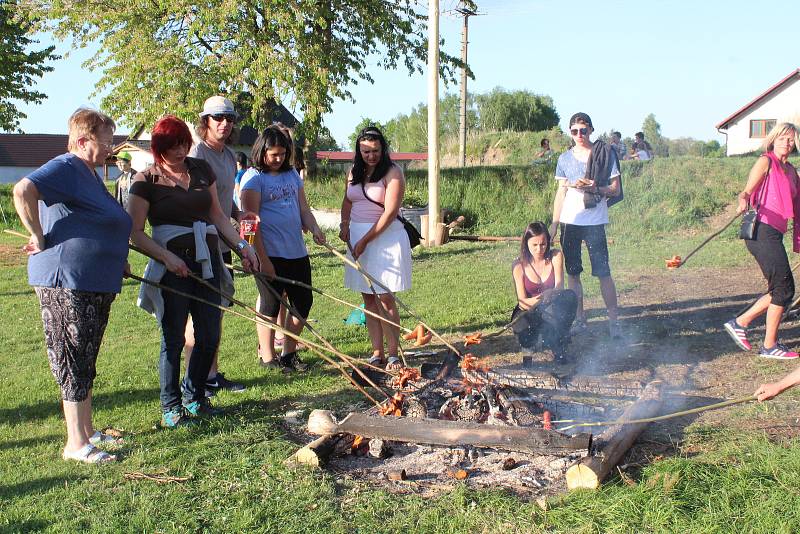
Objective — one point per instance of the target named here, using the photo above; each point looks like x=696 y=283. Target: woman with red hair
x=177 y=196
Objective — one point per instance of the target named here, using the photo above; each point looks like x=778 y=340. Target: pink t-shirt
x=364 y=211
x=776 y=194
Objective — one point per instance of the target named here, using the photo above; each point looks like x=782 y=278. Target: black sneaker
x=220 y=382
x=290 y=362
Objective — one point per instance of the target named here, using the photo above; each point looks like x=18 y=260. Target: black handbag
x=750 y=219
x=414 y=237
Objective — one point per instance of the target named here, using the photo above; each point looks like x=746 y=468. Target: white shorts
x=387 y=258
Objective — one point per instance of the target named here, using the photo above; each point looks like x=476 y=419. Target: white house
x=746 y=128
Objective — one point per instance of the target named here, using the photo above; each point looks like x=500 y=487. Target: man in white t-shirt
x=580 y=223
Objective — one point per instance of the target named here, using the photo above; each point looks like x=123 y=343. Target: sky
x=690 y=63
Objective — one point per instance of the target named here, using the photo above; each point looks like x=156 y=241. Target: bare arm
x=768 y=391
x=26 y=202
x=558 y=203
x=344 y=225
x=610 y=190
x=558 y=269
x=251 y=202
x=308 y=219
x=754 y=179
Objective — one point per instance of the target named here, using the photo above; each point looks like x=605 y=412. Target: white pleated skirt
x=386 y=258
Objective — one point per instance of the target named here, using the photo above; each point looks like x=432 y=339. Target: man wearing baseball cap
x=125 y=178
x=216 y=128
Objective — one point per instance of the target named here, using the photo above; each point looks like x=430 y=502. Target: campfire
x=461 y=420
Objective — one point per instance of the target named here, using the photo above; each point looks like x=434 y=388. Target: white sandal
x=98 y=439
x=89 y=454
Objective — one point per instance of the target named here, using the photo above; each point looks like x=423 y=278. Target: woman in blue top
x=274 y=190
x=78 y=253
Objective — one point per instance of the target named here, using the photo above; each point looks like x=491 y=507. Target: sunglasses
x=582 y=131
x=224 y=117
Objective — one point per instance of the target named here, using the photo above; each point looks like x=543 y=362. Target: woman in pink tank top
x=547 y=309
x=377 y=239
x=772 y=187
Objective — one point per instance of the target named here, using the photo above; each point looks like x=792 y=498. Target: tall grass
x=661 y=196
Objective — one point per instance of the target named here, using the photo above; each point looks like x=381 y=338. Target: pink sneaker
x=778 y=352
x=738 y=334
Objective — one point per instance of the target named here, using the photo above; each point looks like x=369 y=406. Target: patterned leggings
x=74 y=323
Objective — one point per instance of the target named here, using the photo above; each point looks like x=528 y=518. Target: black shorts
x=768 y=250
x=595 y=238
x=299 y=297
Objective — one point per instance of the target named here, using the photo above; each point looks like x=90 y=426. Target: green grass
x=739 y=483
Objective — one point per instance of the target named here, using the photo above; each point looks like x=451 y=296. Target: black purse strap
x=363 y=190
x=763 y=186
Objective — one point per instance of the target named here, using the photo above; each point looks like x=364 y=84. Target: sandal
x=377 y=361
x=99 y=439
x=393 y=364
x=89 y=454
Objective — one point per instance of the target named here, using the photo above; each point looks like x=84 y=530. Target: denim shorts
x=595 y=238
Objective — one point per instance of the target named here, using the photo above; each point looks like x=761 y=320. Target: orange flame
x=394 y=406
x=357 y=442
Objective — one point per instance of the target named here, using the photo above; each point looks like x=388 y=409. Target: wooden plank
x=450 y=433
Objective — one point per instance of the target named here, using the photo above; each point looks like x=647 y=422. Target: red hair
x=169 y=132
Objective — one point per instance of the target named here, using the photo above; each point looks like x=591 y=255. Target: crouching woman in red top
x=547 y=309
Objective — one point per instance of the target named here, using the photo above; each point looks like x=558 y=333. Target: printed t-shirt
x=280 y=226
x=86 y=231
x=571 y=169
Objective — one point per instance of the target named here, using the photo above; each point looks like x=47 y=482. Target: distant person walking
x=772 y=188
x=77 y=255
x=588 y=176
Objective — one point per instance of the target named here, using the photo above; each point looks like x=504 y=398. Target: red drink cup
x=248 y=229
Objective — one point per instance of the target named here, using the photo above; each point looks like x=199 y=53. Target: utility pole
x=433 y=119
x=462 y=131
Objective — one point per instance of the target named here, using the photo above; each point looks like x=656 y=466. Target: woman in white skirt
x=374 y=193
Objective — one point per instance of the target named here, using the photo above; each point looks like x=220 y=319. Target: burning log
x=449 y=433
x=612 y=444
x=319 y=451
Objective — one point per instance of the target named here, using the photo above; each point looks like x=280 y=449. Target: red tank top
x=533 y=289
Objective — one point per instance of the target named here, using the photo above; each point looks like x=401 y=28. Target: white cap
x=218 y=105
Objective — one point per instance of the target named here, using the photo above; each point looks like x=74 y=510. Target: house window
x=760 y=128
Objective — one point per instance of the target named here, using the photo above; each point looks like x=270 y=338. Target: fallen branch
x=483 y=238
x=159 y=478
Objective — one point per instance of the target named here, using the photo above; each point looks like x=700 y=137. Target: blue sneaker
x=174 y=418
x=201 y=408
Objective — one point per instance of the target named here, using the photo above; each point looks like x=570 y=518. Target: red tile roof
x=348 y=156
x=34 y=150
x=792 y=76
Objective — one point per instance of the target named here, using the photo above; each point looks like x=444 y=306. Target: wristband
x=241 y=245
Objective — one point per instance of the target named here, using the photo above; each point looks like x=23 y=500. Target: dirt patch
x=11 y=256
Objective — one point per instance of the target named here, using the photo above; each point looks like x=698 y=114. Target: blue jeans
x=207 y=324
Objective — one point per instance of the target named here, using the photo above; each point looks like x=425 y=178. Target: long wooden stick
x=328 y=295
x=15 y=233
x=488 y=238
x=700 y=409
x=411 y=312
x=312 y=346
x=293 y=311
x=708 y=239
x=251 y=309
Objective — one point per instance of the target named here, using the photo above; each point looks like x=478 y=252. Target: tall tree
x=652 y=134
x=19 y=66
x=169 y=55
x=518 y=111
